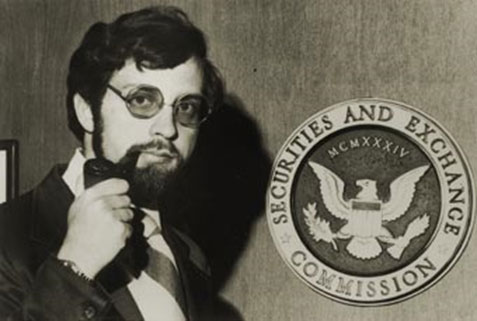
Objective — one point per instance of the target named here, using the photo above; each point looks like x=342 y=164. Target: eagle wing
x=402 y=192
x=332 y=190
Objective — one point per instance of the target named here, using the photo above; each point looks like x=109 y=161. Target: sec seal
x=370 y=202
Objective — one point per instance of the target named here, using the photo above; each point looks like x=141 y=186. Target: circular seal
x=370 y=202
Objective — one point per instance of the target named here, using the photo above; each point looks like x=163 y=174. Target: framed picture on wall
x=8 y=169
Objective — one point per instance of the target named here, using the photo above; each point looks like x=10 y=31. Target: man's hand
x=97 y=226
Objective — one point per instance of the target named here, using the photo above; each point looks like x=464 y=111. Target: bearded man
x=82 y=246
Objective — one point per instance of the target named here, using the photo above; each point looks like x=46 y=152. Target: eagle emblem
x=366 y=215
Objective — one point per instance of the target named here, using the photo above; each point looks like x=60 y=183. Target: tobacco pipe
x=99 y=169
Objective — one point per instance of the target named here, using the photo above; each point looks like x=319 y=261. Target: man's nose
x=163 y=124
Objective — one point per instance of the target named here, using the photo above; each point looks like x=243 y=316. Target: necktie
x=160 y=267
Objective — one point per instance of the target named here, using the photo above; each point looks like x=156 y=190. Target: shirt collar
x=73 y=175
x=73 y=178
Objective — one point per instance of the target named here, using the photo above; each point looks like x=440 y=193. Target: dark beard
x=149 y=182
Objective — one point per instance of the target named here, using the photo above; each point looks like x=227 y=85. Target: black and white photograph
x=224 y=160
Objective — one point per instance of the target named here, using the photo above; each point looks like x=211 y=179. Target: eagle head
x=368 y=190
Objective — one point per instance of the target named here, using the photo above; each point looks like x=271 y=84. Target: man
x=138 y=90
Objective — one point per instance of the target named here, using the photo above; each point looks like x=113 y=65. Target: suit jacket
x=36 y=286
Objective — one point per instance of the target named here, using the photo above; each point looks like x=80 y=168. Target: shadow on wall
x=222 y=191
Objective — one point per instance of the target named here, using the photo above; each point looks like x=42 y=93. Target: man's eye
x=140 y=101
x=187 y=107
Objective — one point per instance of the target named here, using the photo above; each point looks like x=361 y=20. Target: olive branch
x=319 y=228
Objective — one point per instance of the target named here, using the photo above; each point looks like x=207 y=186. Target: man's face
x=162 y=142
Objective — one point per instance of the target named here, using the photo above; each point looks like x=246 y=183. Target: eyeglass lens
x=146 y=101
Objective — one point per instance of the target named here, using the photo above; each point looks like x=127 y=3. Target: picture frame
x=8 y=169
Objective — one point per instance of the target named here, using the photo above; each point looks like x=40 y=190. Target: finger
x=118 y=201
x=128 y=229
x=112 y=186
x=124 y=215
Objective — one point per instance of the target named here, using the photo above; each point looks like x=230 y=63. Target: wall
x=283 y=60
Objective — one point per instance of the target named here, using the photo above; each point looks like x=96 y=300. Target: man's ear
x=83 y=113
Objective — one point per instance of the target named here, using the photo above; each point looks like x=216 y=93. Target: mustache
x=155 y=145
x=128 y=162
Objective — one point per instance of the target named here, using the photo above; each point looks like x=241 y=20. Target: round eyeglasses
x=146 y=102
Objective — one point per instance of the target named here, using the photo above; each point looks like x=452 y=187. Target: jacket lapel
x=50 y=203
x=125 y=304
x=181 y=256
